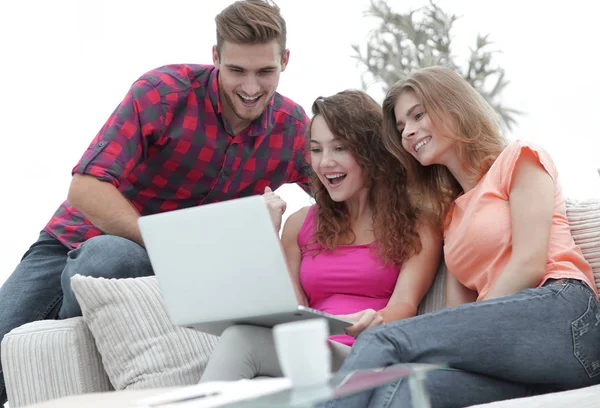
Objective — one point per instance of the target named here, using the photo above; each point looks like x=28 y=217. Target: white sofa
x=126 y=342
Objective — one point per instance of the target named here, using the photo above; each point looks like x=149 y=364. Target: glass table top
x=342 y=385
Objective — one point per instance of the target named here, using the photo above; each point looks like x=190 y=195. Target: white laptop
x=222 y=264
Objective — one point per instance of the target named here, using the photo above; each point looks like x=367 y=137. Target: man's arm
x=117 y=149
x=105 y=206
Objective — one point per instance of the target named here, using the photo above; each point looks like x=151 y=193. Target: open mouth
x=249 y=101
x=422 y=143
x=335 y=179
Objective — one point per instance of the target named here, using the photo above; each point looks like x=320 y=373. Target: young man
x=184 y=135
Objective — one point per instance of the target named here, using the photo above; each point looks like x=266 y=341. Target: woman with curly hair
x=361 y=251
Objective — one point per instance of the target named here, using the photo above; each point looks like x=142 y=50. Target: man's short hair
x=250 y=22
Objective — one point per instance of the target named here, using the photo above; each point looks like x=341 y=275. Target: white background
x=65 y=65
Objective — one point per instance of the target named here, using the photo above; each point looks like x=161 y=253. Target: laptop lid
x=218 y=261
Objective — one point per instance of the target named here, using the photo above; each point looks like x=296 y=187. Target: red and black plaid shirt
x=167 y=146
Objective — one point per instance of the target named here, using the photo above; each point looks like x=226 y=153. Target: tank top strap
x=307 y=230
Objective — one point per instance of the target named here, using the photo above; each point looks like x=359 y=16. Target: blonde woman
x=523 y=316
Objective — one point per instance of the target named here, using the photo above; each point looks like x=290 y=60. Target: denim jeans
x=536 y=341
x=39 y=288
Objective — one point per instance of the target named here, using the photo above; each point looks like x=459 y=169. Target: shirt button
x=101 y=144
x=224 y=174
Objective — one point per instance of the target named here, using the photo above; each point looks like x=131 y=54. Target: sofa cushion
x=139 y=345
x=435 y=299
x=584 y=219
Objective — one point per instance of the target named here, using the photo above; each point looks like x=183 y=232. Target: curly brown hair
x=356 y=119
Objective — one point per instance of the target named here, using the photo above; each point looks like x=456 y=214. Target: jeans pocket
x=586 y=338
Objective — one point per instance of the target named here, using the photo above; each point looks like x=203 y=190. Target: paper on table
x=214 y=394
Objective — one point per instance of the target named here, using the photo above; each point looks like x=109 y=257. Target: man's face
x=248 y=78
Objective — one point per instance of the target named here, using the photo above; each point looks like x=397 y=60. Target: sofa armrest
x=50 y=359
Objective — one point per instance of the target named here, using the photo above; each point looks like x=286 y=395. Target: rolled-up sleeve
x=124 y=139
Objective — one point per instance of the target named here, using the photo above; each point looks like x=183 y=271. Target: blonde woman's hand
x=365 y=319
x=276 y=207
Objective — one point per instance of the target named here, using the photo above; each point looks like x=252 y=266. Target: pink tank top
x=347 y=280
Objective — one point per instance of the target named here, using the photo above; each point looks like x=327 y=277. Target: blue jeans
x=536 y=341
x=39 y=288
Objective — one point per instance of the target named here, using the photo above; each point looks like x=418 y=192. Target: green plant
x=420 y=38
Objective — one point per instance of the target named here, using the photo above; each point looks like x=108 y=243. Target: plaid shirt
x=167 y=146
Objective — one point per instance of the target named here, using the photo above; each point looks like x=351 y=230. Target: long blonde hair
x=459 y=111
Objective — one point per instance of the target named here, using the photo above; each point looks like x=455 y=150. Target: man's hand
x=276 y=207
x=364 y=319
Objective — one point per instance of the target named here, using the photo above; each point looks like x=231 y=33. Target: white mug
x=303 y=351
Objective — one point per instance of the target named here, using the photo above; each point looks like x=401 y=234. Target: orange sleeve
x=510 y=158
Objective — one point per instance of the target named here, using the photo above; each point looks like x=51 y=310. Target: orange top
x=478 y=240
